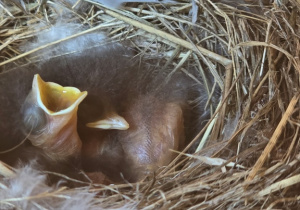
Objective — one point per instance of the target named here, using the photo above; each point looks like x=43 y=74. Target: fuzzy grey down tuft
x=28 y=190
x=60 y=31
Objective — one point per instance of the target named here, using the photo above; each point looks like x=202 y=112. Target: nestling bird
x=50 y=118
x=129 y=121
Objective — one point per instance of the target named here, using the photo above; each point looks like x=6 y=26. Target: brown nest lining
x=249 y=154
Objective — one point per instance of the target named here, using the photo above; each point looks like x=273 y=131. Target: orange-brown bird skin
x=155 y=129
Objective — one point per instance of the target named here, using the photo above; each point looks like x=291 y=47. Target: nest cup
x=247 y=154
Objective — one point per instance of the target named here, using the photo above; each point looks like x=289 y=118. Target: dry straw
x=249 y=155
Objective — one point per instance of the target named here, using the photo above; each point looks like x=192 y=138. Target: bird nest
x=248 y=153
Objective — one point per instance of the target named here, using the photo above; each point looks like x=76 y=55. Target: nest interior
x=248 y=153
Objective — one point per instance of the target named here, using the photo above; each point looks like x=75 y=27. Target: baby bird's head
x=50 y=118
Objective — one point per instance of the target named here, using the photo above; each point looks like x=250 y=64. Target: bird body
x=155 y=129
x=157 y=112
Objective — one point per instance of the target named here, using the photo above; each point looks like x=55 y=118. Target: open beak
x=50 y=118
x=113 y=121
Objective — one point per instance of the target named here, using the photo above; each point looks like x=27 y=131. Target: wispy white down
x=28 y=190
x=60 y=31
